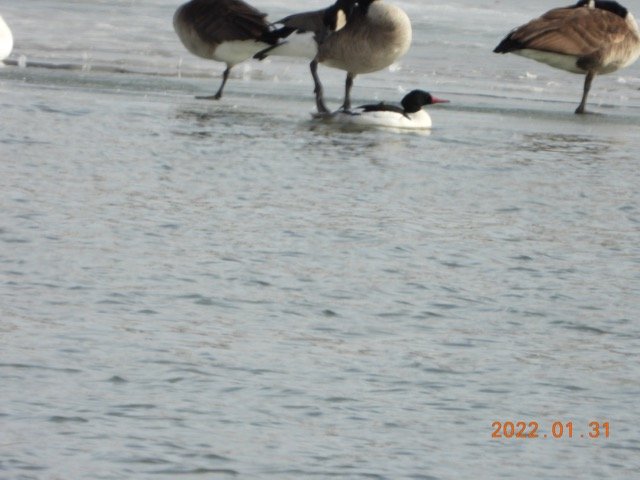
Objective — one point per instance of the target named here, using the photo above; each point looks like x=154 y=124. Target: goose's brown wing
x=216 y=21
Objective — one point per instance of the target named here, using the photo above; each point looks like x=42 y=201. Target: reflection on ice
x=568 y=144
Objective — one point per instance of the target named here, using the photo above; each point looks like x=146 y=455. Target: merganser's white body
x=414 y=121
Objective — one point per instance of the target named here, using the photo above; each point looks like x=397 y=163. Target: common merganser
x=590 y=37
x=359 y=37
x=229 y=31
x=408 y=115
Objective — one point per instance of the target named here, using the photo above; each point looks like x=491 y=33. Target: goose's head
x=338 y=15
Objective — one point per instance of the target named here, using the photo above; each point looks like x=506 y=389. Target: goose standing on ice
x=590 y=37
x=6 y=40
x=228 y=31
x=359 y=37
x=409 y=115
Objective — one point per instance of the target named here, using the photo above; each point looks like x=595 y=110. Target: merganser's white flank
x=590 y=37
x=409 y=115
x=374 y=36
x=228 y=31
x=6 y=40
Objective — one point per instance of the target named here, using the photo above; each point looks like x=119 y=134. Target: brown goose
x=590 y=37
x=228 y=31
x=359 y=37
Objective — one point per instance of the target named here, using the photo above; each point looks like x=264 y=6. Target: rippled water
x=193 y=289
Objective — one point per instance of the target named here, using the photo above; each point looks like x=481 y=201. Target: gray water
x=195 y=289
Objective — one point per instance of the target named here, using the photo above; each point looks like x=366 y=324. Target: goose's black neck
x=363 y=6
x=610 y=6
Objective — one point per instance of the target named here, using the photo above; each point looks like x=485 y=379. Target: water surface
x=196 y=289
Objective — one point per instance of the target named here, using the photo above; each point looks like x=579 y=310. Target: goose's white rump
x=6 y=40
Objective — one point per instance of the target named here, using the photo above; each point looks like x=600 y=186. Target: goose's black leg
x=585 y=93
x=346 y=105
x=322 y=108
x=218 y=95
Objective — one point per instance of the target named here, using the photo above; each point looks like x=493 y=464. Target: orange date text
x=557 y=430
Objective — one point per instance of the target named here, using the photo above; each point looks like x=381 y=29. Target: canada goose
x=408 y=115
x=360 y=36
x=590 y=37
x=228 y=31
x=6 y=40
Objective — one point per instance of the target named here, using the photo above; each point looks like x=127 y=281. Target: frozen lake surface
x=193 y=289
